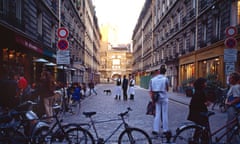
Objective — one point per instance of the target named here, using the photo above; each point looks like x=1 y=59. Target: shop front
x=201 y=63
x=18 y=54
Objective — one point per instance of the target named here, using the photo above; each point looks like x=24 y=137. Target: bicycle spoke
x=187 y=136
x=134 y=136
x=80 y=136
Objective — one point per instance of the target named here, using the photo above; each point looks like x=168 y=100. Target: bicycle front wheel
x=80 y=136
x=188 y=135
x=134 y=136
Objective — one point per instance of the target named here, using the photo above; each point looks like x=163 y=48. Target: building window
x=185 y=43
x=193 y=4
x=163 y=8
x=204 y=32
x=39 y=23
x=193 y=38
x=162 y=54
x=177 y=46
x=179 y=17
x=3 y=7
x=217 y=26
x=53 y=34
x=19 y=10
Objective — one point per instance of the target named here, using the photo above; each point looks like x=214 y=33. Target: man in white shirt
x=158 y=87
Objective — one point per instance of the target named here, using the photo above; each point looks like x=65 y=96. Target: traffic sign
x=229 y=68
x=230 y=42
x=230 y=55
x=62 y=44
x=63 y=57
x=62 y=32
x=231 y=31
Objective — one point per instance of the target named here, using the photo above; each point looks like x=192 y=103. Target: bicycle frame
x=93 y=124
x=232 y=123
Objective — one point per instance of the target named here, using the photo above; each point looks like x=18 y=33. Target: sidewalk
x=179 y=97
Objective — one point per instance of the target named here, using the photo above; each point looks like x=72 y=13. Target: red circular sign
x=62 y=44
x=62 y=32
x=231 y=31
x=230 y=42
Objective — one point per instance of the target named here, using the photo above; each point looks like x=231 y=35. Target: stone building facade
x=189 y=36
x=29 y=32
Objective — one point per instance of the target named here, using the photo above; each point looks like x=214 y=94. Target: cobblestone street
x=109 y=108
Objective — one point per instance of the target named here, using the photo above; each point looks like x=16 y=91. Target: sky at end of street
x=122 y=14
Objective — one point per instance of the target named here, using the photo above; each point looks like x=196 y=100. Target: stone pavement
x=108 y=108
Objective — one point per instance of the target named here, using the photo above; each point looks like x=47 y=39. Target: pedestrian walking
x=131 y=87
x=233 y=99
x=158 y=87
x=118 y=88
x=125 y=87
x=91 y=88
x=46 y=92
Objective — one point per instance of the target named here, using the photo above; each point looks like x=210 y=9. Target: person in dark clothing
x=91 y=88
x=8 y=90
x=125 y=87
x=198 y=106
x=199 y=103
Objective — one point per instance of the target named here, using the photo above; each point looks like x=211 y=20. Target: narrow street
x=108 y=108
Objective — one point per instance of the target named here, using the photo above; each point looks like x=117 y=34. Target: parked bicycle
x=129 y=135
x=221 y=95
x=191 y=133
x=67 y=104
x=16 y=126
x=57 y=133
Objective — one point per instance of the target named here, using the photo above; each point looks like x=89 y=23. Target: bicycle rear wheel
x=188 y=135
x=80 y=136
x=134 y=136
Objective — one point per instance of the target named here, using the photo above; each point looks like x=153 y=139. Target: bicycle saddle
x=89 y=114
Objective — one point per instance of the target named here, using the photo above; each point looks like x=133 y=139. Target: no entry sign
x=230 y=42
x=62 y=44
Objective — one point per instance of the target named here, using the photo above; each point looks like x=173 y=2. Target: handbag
x=156 y=96
x=150 y=108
